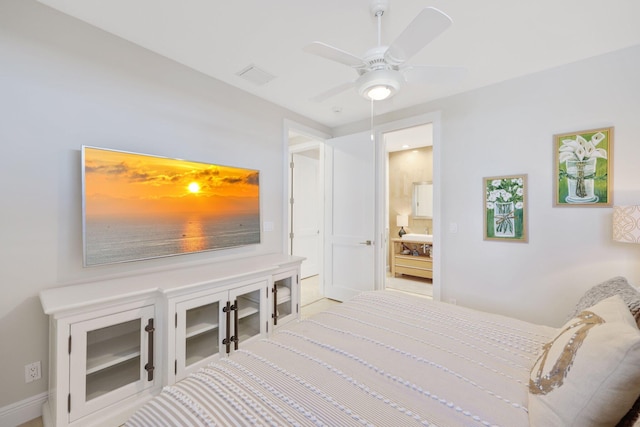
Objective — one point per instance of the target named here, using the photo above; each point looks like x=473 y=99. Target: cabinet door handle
x=227 y=341
x=235 y=338
x=274 y=315
x=149 y=329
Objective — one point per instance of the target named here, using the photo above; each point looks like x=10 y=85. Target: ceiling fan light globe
x=379 y=84
x=378 y=93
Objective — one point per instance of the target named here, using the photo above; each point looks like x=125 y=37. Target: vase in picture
x=580 y=181
x=504 y=219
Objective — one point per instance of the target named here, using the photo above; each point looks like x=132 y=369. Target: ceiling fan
x=383 y=70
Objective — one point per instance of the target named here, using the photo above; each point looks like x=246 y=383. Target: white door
x=305 y=205
x=350 y=216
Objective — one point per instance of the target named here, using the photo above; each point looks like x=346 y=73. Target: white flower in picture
x=581 y=149
x=505 y=190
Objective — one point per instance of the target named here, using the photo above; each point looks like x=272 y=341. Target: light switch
x=453 y=227
x=268 y=226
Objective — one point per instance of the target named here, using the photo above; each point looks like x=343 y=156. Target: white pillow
x=589 y=374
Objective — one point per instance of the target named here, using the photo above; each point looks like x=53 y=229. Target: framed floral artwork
x=505 y=208
x=583 y=168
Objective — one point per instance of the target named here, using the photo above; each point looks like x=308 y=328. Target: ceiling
x=494 y=40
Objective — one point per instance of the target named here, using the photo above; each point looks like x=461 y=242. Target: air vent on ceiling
x=255 y=75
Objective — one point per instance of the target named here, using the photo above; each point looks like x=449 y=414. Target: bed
x=386 y=358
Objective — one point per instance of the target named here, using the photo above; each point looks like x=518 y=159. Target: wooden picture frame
x=583 y=168
x=505 y=208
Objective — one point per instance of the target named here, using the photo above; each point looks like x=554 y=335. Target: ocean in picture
x=108 y=240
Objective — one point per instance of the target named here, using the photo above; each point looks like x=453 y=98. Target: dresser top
x=99 y=291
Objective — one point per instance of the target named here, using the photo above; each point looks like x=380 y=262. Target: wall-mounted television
x=139 y=206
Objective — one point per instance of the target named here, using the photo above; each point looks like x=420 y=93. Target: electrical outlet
x=32 y=372
x=453 y=301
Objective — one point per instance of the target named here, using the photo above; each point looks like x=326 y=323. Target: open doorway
x=409 y=209
x=305 y=211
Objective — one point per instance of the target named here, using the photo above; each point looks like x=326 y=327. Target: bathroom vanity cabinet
x=417 y=263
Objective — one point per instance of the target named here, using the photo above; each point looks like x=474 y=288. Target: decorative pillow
x=615 y=286
x=589 y=374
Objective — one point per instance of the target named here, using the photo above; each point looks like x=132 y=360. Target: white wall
x=507 y=129
x=64 y=84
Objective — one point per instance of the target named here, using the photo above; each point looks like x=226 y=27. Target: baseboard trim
x=23 y=411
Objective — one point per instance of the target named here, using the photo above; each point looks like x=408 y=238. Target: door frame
x=381 y=181
x=318 y=138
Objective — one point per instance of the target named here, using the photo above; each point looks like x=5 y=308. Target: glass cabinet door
x=201 y=338
x=111 y=357
x=199 y=325
x=249 y=318
x=284 y=300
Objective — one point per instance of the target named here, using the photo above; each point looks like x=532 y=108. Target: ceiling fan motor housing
x=378 y=74
x=374 y=60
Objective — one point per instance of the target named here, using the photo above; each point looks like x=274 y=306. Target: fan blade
x=333 y=92
x=433 y=74
x=334 y=54
x=425 y=27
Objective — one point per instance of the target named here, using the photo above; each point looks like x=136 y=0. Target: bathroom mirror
x=422 y=204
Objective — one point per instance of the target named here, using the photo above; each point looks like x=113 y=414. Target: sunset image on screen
x=140 y=206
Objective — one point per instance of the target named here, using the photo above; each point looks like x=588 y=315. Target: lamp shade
x=626 y=224
x=402 y=220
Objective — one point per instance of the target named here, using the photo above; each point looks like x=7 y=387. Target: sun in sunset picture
x=140 y=206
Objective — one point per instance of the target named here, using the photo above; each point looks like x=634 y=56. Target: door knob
x=368 y=243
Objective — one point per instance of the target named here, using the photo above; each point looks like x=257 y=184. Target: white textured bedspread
x=381 y=359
